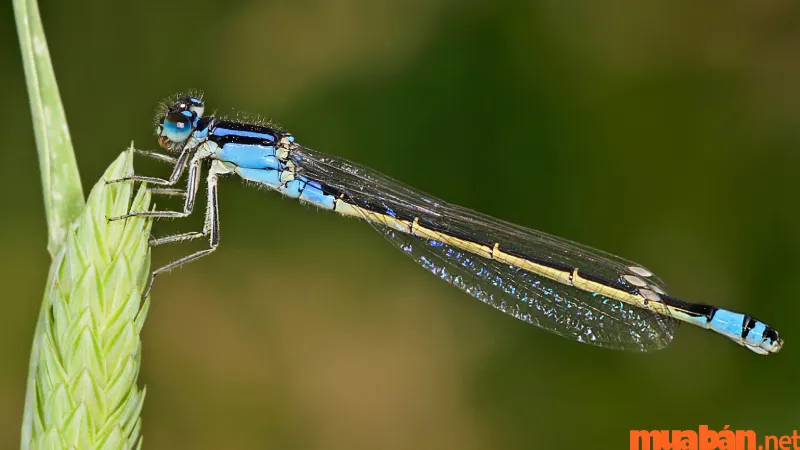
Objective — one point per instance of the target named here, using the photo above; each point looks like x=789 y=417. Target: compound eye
x=177 y=126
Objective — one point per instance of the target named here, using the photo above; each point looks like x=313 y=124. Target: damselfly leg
x=211 y=222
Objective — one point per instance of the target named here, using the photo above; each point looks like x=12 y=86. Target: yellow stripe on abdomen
x=463 y=244
x=560 y=276
x=566 y=277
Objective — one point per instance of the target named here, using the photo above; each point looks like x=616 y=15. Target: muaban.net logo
x=706 y=439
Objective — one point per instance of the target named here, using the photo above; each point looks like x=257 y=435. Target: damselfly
x=563 y=287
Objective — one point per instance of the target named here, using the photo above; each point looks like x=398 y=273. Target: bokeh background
x=665 y=132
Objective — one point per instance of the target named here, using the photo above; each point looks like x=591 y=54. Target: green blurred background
x=665 y=132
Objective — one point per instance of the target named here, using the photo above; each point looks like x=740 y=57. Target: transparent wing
x=539 y=301
x=561 y=309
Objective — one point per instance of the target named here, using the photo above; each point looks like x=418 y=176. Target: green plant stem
x=61 y=185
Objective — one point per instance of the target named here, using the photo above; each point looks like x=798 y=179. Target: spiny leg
x=191 y=193
x=191 y=235
x=207 y=223
x=167 y=191
x=177 y=171
x=156 y=156
x=178 y=238
x=211 y=228
x=164 y=158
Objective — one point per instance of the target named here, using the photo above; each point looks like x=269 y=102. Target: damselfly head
x=178 y=122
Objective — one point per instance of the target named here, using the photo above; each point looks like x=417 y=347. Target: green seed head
x=82 y=390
